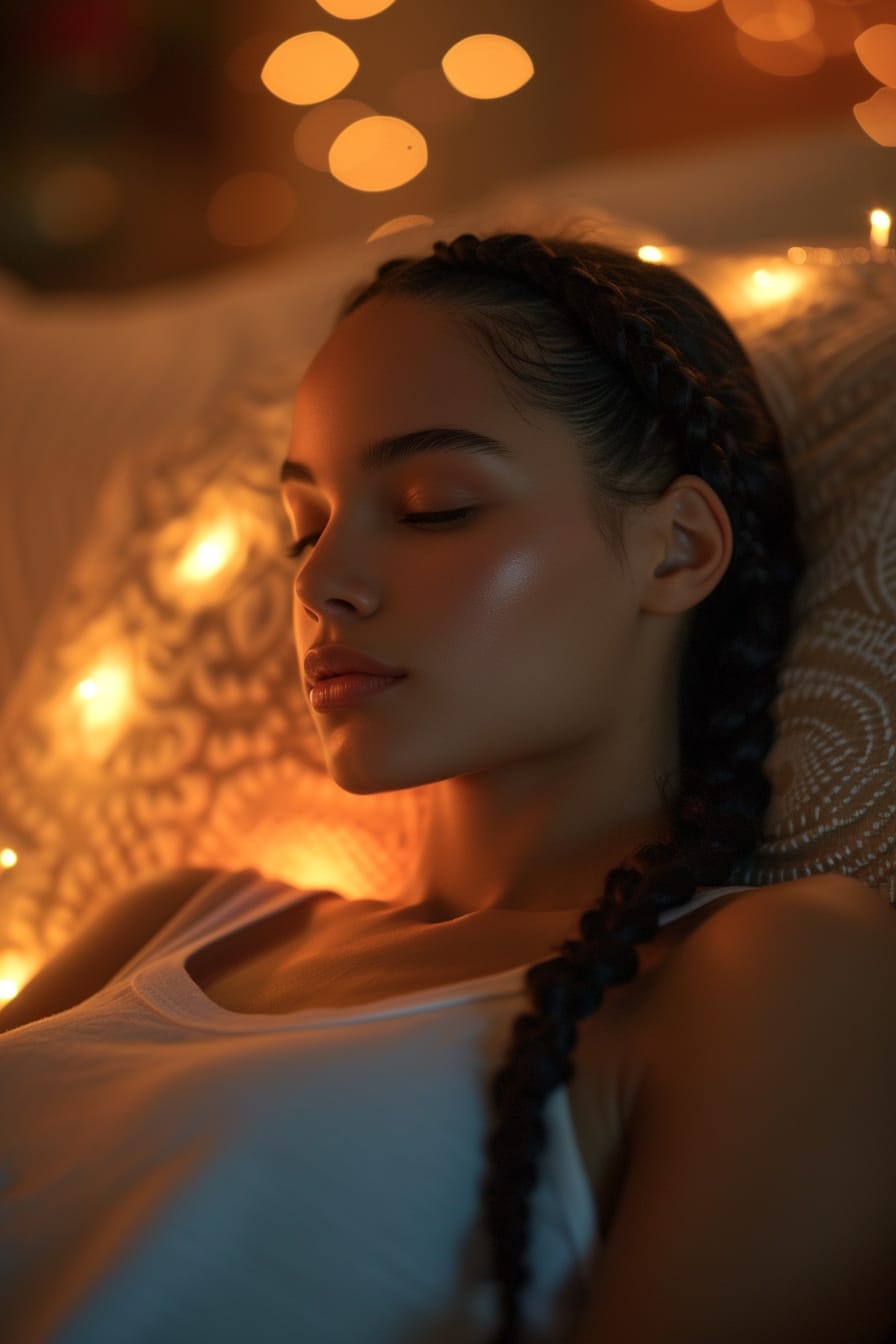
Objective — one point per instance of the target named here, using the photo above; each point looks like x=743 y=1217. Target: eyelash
x=295 y=550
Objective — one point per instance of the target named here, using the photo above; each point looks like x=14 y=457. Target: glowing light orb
x=378 y=154
x=772 y=286
x=487 y=65
x=309 y=68
x=876 y=49
x=684 y=6
x=771 y=20
x=354 y=9
x=877 y=116
x=320 y=126
x=105 y=696
x=786 y=59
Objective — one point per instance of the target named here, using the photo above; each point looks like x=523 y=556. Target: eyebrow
x=386 y=452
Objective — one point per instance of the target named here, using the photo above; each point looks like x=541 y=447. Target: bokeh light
x=487 y=65
x=771 y=20
x=881 y=223
x=399 y=225
x=209 y=555
x=876 y=49
x=877 y=117
x=309 y=68
x=354 y=9
x=75 y=203
x=320 y=126
x=684 y=6
x=771 y=286
x=251 y=209
x=787 y=59
x=378 y=154
x=105 y=696
x=837 y=26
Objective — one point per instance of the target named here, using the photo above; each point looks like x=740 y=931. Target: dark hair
x=655 y=385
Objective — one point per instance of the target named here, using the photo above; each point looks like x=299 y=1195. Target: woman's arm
x=760 y=1197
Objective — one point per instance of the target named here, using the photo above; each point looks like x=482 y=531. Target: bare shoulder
x=827 y=906
x=761 y=1129
x=790 y=939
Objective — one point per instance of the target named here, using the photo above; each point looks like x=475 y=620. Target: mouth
x=348 y=688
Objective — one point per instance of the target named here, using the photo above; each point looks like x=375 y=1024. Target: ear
x=688 y=547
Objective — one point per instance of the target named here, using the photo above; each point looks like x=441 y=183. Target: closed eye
x=415 y=519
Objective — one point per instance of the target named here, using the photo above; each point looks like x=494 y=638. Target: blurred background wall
x=141 y=144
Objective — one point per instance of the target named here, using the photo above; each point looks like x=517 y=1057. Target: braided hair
x=654 y=384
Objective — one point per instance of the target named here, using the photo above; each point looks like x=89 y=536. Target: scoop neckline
x=167 y=986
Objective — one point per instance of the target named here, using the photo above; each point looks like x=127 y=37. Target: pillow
x=159 y=719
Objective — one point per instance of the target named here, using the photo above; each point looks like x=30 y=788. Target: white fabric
x=173 y=1171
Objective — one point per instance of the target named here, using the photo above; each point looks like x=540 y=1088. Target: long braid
x=717 y=427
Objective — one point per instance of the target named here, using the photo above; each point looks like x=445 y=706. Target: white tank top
x=172 y=1171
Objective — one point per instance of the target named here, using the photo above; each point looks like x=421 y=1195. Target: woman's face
x=513 y=624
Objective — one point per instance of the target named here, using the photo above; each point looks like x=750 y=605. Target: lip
x=332 y=693
x=337 y=660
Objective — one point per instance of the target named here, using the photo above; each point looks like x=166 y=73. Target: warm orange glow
x=770 y=287
x=209 y=555
x=876 y=49
x=880 y=228
x=309 y=68
x=378 y=154
x=251 y=209
x=799 y=57
x=320 y=126
x=797 y=255
x=877 y=116
x=398 y=225
x=487 y=65
x=105 y=698
x=771 y=20
x=665 y=255
x=354 y=9
x=8 y=858
x=684 y=6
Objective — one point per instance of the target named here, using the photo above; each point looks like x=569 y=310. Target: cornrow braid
x=597 y=315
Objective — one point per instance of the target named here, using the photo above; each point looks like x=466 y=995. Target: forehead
x=396 y=364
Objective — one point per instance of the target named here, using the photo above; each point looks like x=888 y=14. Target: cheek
x=529 y=615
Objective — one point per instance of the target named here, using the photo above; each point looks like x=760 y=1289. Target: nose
x=329 y=594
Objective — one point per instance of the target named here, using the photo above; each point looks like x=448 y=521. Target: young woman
x=546 y=566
